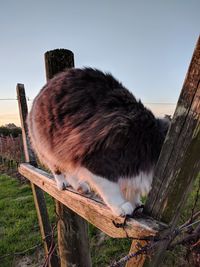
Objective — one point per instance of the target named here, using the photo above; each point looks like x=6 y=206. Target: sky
x=146 y=44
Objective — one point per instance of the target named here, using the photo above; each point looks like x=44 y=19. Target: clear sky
x=146 y=44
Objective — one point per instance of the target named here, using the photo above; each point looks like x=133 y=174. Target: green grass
x=177 y=258
x=107 y=251
x=111 y=250
x=19 y=228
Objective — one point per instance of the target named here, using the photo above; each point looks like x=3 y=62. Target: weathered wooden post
x=73 y=237
x=179 y=162
x=38 y=194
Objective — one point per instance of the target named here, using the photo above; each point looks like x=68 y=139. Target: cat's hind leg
x=111 y=194
x=130 y=193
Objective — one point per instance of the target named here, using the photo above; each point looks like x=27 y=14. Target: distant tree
x=11 y=126
x=10 y=129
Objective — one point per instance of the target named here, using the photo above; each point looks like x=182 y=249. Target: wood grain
x=140 y=259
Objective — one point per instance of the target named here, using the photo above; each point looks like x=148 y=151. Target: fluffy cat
x=91 y=132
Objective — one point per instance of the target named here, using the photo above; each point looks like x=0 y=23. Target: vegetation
x=11 y=130
x=19 y=229
x=11 y=147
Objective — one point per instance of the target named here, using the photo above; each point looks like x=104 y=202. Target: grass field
x=19 y=231
x=19 y=228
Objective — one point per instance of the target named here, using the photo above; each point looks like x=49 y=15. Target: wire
x=147 y=103
x=189 y=225
x=8 y=99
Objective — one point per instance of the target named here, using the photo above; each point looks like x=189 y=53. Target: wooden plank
x=179 y=162
x=73 y=239
x=94 y=211
x=140 y=259
x=38 y=195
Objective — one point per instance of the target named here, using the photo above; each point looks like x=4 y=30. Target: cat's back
x=87 y=117
x=80 y=108
x=76 y=96
x=87 y=85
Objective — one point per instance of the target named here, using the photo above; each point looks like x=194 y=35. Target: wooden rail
x=93 y=210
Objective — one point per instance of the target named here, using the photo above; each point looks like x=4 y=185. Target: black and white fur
x=91 y=132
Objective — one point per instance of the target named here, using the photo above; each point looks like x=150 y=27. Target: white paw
x=138 y=203
x=84 y=188
x=61 y=183
x=123 y=210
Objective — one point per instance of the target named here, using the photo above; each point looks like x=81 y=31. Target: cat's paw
x=123 y=210
x=84 y=188
x=62 y=184
x=138 y=203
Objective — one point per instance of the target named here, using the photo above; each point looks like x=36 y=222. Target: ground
x=20 y=241
x=19 y=230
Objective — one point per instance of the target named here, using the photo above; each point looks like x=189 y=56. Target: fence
x=177 y=168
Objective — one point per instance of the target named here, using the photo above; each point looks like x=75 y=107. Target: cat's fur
x=90 y=131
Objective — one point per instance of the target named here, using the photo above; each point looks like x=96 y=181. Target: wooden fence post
x=1 y=149
x=73 y=237
x=179 y=162
x=40 y=204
